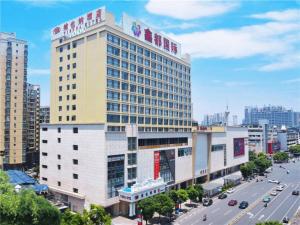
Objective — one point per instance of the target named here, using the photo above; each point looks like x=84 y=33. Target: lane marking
x=278 y=207
x=262 y=216
x=250 y=215
x=291 y=206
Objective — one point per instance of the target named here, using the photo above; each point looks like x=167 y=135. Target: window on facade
x=75 y=161
x=44 y=153
x=111 y=118
x=75 y=147
x=44 y=166
x=44 y=178
x=59 y=167
x=131 y=173
x=45 y=141
x=75 y=176
x=75 y=130
x=115 y=174
x=131 y=143
x=75 y=190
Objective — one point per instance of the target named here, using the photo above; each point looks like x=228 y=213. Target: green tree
x=247 y=169
x=182 y=196
x=262 y=163
x=97 y=215
x=281 y=156
x=252 y=156
x=192 y=193
x=295 y=149
x=148 y=208
x=200 y=191
x=270 y=223
x=164 y=205
x=173 y=195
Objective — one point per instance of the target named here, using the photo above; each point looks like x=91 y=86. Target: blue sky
x=243 y=52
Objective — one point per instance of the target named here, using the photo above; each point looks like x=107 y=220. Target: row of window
x=115 y=84
x=184 y=151
x=152 y=80
x=113 y=118
x=132 y=67
x=144 y=51
x=115 y=107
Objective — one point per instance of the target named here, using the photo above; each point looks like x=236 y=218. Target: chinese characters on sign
x=79 y=24
x=150 y=36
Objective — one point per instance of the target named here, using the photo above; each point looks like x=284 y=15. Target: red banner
x=156 y=165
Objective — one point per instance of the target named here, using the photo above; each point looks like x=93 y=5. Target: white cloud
x=287 y=15
x=232 y=83
x=285 y=62
x=38 y=72
x=44 y=3
x=264 y=39
x=292 y=81
x=189 y=9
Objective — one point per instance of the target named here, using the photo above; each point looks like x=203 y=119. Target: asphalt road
x=284 y=204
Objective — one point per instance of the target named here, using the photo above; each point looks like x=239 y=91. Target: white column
x=132 y=209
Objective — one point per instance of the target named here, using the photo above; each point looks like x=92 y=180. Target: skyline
x=262 y=57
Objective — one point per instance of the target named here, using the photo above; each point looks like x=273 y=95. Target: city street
x=284 y=204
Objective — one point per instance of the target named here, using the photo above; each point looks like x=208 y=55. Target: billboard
x=78 y=25
x=150 y=36
x=238 y=147
x=156 y=164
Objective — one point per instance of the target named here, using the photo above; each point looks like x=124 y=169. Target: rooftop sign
x=150 y=36
x=78 y=25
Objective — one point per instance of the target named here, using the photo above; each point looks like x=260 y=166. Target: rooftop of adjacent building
x=10 y=36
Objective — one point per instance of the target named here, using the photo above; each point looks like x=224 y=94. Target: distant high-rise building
x=215 y=119
x=33 y=124
x=234 y=120
x=13 y=77
x=276 y=115
x=45 y=114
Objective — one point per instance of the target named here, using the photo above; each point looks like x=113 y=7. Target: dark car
x=232 y=202
x=207 y=201
x=243 y=205
x=222 y=196
x=295 y=192
x=285 y=220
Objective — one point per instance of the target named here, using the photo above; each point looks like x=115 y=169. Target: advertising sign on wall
x=148 y=35
x=78 y=25
x=238 y=147
x=156 y=164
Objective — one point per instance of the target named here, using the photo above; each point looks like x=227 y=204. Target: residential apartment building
x=276 y=115
x=13 y=78
x=120 y=111
x=256 y=138
x=33 y=124
x=44 y=114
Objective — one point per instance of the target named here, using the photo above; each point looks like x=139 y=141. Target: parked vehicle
x=207 y=201
x=295 y=192
x=280 y=188
x=267 y=199
x=274 y=193
x=222 y=196
x=230 y=190
x=243 y=205
x=274 y=181
x=232 y=202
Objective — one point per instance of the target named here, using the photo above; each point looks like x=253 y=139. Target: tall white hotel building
x=120 y=113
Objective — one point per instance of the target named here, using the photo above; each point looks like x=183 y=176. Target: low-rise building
x=219 y=151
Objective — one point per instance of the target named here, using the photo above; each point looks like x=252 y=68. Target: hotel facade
x=120 y=111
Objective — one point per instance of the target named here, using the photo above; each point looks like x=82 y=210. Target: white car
x=280 y=188
x=273 y=193
x=230 y=190
x=274 y=181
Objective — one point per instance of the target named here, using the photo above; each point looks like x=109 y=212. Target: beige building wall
x=90 y=80
x=15 y=154
x=90 y=100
